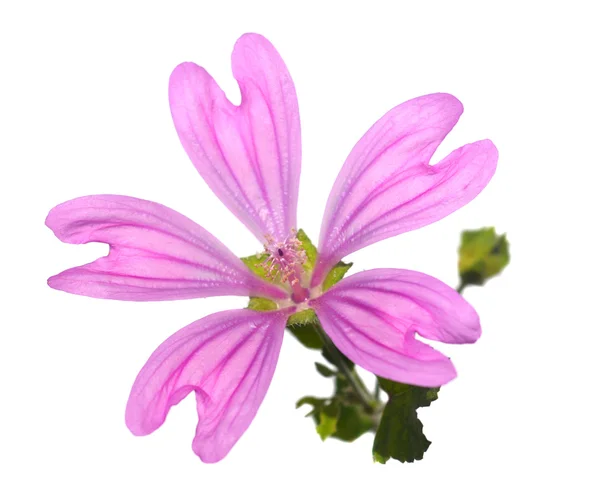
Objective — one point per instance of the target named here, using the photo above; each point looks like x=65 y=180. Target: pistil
x=284 y=262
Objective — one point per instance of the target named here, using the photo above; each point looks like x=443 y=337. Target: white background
x=83 y=110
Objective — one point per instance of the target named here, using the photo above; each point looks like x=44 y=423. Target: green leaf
x=324 y=370
x=310 y=249
x=328 y=418
x=379 y=459
x=483 y=254
x=400 y=432
x=325 y=414
x=353 y=422
x=261 y=304
x=352 y=419
x=311 y=401
x=336 y=274
x=316 y=403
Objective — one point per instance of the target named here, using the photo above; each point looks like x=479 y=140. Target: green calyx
x=309 y=249
x=336 y=274
x=300 y=323
x=302 y=318
x=262 y=304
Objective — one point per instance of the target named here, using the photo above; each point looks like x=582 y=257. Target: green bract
x=340 y=416
x=307 y=316
x=261 y=304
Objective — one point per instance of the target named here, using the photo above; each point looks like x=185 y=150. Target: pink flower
x=249 y=155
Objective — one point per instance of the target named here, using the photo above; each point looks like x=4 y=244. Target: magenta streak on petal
x=228 y=359
x=155 y=253
x=249 y=155
x=372 y=317
x=387 y=187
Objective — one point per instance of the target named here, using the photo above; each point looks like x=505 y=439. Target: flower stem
x=353 y=379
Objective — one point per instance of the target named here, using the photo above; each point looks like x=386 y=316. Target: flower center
x=284 y=263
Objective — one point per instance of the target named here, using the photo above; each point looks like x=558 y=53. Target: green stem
x=461 y=287
x=357 y=385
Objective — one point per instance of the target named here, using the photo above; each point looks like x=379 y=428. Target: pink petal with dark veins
x=372 y=317
x=387 y=187
x=228 y=359
x=249 y=155
x=155 y=253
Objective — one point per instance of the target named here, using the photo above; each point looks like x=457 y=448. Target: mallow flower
x=250 y=155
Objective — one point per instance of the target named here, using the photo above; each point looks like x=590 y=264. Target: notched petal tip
x=388 y=186
x=373 y=316
x=252 y=39
x=49 y=221
x=136 y=425
x=141 y=422
x=442 y=374
x=491 y=151
x=55 y=220
x=228 y=359
x=182 y=72
x=467 y=326
x=442 y=102
x=155 y=253
x=212 y=455
x=56 y=282
x=248 y=154
x=487 y=143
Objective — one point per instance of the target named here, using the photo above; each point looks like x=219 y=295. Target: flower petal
x=249 y=155
x=228 y=359
x=387 y=187
x=372 y=317
x=155 y=253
